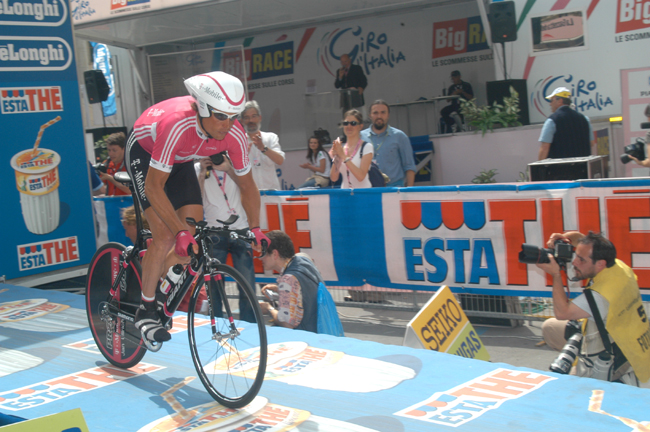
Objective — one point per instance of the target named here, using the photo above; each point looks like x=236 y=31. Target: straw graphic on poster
x=37 y=181
x=40 y=133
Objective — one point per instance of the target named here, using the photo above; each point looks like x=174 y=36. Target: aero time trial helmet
x=218 y=90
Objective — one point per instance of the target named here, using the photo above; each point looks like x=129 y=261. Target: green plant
x=523 y=176
x=485 y=176
x=101 y=153
x=487 y=117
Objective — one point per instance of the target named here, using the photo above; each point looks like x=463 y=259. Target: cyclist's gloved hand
x=260 y=238
x=184 y=241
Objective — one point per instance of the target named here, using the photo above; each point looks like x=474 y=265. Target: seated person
x=451 y=113
x=296 y=291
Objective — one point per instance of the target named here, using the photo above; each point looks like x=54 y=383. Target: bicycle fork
x=217 y=291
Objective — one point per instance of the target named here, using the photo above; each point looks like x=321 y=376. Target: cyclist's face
x=218 y=129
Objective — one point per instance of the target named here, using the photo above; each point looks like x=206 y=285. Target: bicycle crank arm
x=110 y=311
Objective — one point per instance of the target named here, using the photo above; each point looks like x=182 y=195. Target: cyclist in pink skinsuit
x=160 y=154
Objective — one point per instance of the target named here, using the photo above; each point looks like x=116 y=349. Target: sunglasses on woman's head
x=351 y=123
x=221 y=116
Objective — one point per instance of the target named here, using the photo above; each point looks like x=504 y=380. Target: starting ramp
x=49 y=364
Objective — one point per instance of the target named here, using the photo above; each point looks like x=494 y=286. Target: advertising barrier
x=47 y=212
x=467 y=237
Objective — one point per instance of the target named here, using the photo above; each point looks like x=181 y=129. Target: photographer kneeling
x=616 y=338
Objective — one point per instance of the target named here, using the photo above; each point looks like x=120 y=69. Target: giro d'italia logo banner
x=47 y=201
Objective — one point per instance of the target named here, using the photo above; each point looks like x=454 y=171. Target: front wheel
x=115 y=337
x=229 y=355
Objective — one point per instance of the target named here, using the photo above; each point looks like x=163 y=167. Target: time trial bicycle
x=229 y=355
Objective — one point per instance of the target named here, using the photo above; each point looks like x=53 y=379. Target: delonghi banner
x=47 y=211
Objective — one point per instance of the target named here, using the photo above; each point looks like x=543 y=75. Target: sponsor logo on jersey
x=33 y=13
x=70 y=385
x=34 y=53
x=470 y=400
x=20 y=100
x=47 y=253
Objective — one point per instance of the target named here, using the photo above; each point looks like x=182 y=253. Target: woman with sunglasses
x=160 y=155
x=319 y=163
x=352 y=156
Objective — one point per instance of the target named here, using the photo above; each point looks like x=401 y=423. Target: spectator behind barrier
x=346 y=154
x=392 y=147
x=646 y=161
x=319 y=163
x=115 y=144
x=129 y=223
x=264 y=151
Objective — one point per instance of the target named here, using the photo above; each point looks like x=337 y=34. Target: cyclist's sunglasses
x=351 y=123
x=221 y=116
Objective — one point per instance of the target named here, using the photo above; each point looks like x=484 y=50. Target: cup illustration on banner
x=298 y=363
x=37 y=180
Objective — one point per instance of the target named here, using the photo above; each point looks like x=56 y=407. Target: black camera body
x=217 y=159
x=101 y=167
x=531 y=254
x=636 y=149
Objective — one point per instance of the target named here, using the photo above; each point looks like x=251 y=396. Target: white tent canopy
x=217 y=20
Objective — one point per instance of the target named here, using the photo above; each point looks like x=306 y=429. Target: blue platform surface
x=49 y=364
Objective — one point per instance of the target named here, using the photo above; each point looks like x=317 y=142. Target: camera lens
x=564 y=361
x=217 y=159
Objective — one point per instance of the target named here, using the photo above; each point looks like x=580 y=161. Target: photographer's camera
x=531 y=254
x=101 y=168
x=218 y=159
x=636 y=149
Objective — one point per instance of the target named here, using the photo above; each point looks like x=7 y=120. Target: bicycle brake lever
x=265 y=245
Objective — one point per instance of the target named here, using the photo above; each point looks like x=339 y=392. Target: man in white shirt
x=264 y=150
x=221 y=200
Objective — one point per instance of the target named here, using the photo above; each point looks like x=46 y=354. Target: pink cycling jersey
x=169 y=131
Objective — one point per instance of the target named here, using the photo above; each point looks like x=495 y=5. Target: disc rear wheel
x=115 y=337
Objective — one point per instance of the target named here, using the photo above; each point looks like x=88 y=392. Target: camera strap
x=604 y=335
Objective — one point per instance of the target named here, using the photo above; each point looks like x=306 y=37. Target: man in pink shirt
x=161 y=150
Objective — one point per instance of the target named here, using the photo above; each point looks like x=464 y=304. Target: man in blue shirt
x=566 y=133
x=393 y=151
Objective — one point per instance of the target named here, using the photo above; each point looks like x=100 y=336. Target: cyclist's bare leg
x=153 y=263
x=147 y=320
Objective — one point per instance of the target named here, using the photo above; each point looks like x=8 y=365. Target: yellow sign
x=441 y=325
x=68 y=421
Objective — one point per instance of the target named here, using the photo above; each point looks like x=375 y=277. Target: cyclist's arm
x=154 y=188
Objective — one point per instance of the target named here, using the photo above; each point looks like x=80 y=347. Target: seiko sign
x=34 y=54
x=33 y=13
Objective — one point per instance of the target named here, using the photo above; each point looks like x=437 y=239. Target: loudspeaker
x=503 y=22
x=96 y=86
x=497 y=90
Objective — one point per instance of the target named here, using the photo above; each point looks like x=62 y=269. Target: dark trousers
x=445 y=120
